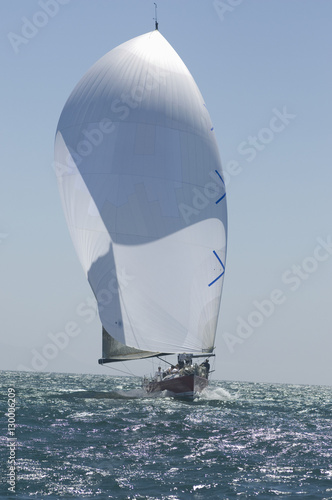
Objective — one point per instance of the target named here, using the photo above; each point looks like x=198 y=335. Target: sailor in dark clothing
x=181 y=358
x=206 y=364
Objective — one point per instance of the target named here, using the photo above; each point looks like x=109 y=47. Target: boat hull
x=186 y=386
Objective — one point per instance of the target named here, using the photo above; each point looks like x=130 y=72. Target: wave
x=113 y=394
x=216 y=394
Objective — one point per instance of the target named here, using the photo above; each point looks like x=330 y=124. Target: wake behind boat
x=141 y=184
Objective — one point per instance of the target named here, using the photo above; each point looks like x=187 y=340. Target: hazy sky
x=264 y=69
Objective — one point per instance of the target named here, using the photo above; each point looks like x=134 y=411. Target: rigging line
x=117 y=370
x=127 y=368
x=164 y=360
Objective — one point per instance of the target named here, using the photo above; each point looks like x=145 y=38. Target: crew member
x=206 y=364
x=159 y=374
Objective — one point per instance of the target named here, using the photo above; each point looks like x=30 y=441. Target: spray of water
x=216 y=394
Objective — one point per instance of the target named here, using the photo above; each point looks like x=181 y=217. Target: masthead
x=155 y=18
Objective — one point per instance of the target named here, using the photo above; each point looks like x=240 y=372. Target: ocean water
x=89 y=436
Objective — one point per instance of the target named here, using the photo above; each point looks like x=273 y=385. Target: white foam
x=217 y=393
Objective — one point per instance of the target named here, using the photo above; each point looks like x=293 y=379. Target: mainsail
x=141 y=184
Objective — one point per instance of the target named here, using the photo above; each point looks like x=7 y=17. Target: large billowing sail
x=141 y=185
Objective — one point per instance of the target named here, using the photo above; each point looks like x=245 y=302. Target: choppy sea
x=90 y=436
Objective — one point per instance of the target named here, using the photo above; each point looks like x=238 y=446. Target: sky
x=264 y=70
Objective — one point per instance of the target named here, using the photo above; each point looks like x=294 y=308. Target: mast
x=155 y=18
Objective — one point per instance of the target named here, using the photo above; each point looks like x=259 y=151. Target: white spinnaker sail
x=140 y=179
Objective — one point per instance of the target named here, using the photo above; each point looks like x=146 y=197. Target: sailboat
x=141 y=184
